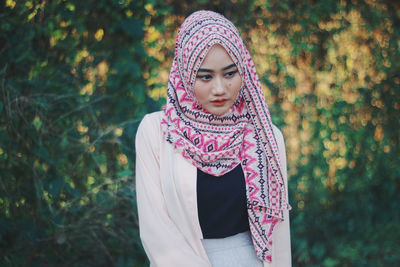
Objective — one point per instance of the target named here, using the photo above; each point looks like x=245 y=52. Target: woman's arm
x=163 y=242
x=281 y=237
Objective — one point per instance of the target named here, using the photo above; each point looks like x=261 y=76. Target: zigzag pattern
x=217 y=144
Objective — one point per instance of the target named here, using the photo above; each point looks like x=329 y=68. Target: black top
x=221 y=203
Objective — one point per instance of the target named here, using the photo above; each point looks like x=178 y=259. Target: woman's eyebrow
x=205 y=70
x=225 y=68
x=228 y=67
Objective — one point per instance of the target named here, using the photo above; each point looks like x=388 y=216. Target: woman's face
x=218 y=82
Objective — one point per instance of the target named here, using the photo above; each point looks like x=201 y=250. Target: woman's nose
x=218 y=86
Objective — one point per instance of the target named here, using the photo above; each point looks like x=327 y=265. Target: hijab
x=243 y=135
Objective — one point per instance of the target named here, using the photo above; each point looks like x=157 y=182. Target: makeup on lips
x=219 y=102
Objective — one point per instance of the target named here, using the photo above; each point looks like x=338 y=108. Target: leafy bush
x=72 y=96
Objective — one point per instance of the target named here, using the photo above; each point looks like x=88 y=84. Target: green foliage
x=76 y=77
x=345 y=181
x=72 y=94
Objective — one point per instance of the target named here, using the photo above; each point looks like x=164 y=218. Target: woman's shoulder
x=150 y=121
x=149 y=127
x=278 y=134
x=152 y=118
x=280 y=142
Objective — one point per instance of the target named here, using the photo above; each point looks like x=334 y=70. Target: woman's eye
x=230 y=74
x=204 y=77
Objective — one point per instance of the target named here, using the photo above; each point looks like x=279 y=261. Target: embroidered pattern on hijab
x=217 y=144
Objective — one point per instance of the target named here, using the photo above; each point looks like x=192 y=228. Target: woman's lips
x=219 y=102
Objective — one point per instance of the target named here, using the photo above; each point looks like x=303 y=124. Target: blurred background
x=76 y=77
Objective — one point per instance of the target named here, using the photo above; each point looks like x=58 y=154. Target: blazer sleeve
x=281 y=236
x=163 y=242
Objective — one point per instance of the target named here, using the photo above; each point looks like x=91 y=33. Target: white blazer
x=167 y=203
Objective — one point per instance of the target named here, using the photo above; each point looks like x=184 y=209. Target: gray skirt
x=232 y=251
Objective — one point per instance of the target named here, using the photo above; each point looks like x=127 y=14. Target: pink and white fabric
x=217 y=144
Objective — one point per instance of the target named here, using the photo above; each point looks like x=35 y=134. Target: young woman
x=211 y=167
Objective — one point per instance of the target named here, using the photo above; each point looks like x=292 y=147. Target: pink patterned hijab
x=217 y=144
